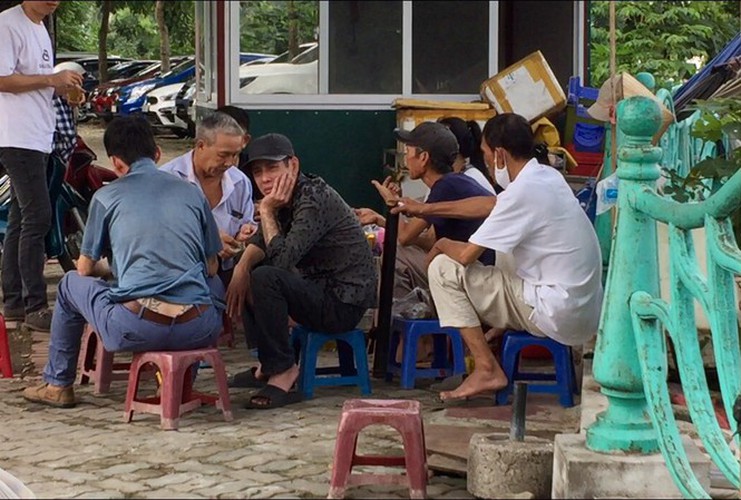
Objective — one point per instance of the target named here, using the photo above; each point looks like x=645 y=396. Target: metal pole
x=517 y=426
x=382 y=331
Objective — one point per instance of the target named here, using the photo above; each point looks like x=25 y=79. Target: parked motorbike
x=71 y=188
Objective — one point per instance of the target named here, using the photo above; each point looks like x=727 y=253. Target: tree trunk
x=159 y=13
x=105 y=14
x=292 y=30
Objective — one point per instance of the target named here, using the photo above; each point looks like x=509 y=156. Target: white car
x=299 y=76
x=159 y=109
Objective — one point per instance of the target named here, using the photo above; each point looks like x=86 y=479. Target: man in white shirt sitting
x=556 y=290
x=211 y=166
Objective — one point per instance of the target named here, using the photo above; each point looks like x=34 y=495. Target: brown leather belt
x=162 y=319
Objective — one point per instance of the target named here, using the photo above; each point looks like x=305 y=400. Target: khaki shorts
x=467 y=296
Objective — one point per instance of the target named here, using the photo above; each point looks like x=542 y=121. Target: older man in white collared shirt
x=211 y=166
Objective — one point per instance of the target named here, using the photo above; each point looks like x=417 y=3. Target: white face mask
x=501 y=175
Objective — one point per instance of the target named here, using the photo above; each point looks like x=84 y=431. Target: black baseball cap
x=272 y=147
x=435 y=138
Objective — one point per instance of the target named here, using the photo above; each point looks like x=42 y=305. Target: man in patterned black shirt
x=315 y=266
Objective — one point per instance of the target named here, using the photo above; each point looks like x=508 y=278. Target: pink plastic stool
x=402 y=415
x=6 y=365
x=177 y=396
x=97 y=364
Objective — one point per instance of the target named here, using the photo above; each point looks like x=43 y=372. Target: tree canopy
x=660 y=37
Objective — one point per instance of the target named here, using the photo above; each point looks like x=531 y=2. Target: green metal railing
x=630 y=360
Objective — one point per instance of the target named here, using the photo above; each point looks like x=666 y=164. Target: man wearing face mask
x=556 y=287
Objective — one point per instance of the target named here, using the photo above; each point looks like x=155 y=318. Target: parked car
x=106 y=94
x=91 y=64
x=185 y=106
x=123 y=69
x=131 y=97
x=280 y=76
x=159 y=108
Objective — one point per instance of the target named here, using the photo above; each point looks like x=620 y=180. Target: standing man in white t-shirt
x=556 y=290
x=27 y=123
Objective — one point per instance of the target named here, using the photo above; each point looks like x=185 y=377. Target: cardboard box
x=528 y=88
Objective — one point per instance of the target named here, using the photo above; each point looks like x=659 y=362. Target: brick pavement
x=89 y=452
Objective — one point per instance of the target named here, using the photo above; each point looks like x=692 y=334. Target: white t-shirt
x=555 y=248
x=27 y=119
x=479 y=177
x=235 y=207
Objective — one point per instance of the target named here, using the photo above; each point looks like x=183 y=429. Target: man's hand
x=369 y=216
x=246 y=232
x=230 y=246
x=239 y=292
x=282 y=192
x=389 y=191
x=408 y=207
x=65 y=80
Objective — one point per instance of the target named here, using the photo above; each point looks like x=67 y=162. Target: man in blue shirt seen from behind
x=162 y=242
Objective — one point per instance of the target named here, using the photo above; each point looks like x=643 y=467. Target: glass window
x=205 y=49
x=450 y=47
x=288 y=29
x=365 y=47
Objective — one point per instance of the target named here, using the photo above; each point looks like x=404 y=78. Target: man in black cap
x=430 y=149
x=315 y=266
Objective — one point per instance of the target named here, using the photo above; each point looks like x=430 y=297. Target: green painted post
x=626 y=425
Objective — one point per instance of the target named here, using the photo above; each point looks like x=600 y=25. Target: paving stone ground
x=89 y=452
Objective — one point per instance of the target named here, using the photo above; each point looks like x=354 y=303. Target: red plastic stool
x=177 y=395
x=402 y=415
x=97 y=364
x=6 y=365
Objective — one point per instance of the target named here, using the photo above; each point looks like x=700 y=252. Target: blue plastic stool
x=564 y=376
x=307 y=344
x=412 y=330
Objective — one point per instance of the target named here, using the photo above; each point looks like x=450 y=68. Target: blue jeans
x=83 y=300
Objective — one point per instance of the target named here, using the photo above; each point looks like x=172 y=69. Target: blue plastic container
x=589 y=138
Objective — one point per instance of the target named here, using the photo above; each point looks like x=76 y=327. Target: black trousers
x=29 y=219
x=278 y=294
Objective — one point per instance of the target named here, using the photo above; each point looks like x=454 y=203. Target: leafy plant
x=660 y=37
x=719 y=122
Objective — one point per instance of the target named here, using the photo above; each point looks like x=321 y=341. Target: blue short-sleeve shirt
x=158 y=233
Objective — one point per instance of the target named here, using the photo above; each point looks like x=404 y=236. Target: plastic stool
x=402 y=415
x=177 y=395
x=350 y=344
x=97 y=364
x=564 y=376
x=412 y=330
x=6 y=365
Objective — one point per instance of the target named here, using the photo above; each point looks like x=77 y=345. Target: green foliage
x=74 y=21
x=133 y=29
x=264 y=24
x=720 y=121
x=659 y=37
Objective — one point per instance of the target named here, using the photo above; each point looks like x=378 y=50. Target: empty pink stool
x=97 y=364
x=176 y=389
x=402 y=415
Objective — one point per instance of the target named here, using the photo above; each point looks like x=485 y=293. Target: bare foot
x=477 y=382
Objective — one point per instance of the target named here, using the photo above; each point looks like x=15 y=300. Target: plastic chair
x=564 y=377
x=412 y=330
x=351 y=344
x=6 y=365
x=177 y=396
x=98 y=365
x=402 y=415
